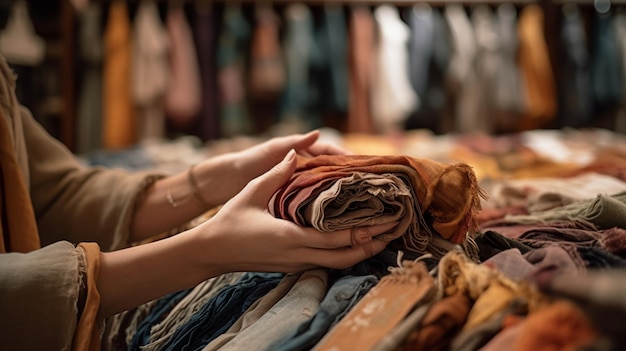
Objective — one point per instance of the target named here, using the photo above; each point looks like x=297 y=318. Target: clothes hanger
x=18 y=41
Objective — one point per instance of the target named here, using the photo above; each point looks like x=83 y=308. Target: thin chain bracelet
x=172 y=201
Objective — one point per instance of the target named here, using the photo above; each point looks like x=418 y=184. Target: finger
x=346 y=237
x=296 y=141
x=327 y=149
x=348 y=257
x=261 y=189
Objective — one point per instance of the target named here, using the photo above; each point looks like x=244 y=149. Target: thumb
x=260 y=190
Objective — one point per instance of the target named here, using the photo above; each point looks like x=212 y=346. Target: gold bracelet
x=196 y=189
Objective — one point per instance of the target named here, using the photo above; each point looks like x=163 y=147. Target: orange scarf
x=19 y=228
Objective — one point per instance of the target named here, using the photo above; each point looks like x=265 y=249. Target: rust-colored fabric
x=536 y=70
x=442 y=322
x=119 y=126
x=446 y=198
x=381 y=309
x=87 y=336
x=19 y=228
x=559 y=326
x=360 y=55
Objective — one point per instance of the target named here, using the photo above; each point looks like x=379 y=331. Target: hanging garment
x=231 y=62
x=434 y=110
x=508 y=97
x=208 y=123
x=486 y=65
x=328 y=65
x=267 y=70
x=90 y=49
x=298 y=45
x=182 y=98
x=461 y=70
x=575 y=94
x=150 y=70
x=267 y=76
x=536 y=69
x=393 y=97
x=607 y=77
x=360 y=50
x=434 y=204
x=119 y=125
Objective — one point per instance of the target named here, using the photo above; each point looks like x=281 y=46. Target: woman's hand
x=238 y=168
x=244 y=236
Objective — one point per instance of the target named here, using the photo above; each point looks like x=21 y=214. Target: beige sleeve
x=77 y=203
x=38 y=296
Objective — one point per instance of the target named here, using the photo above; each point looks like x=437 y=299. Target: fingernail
x=290 y=155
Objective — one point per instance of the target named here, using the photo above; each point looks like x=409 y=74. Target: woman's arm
x=174 y=200
x=243 y=236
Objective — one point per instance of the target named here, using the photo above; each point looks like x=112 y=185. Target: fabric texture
x=342 y=296
x=45 y=284
x=381 y=309
x=434 y=203
x=19 y=229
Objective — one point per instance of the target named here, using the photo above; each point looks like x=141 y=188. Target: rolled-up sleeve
x=39 y=292
x=78 y=203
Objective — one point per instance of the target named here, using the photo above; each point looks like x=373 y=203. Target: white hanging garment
x=19 y=43
x=393 y=97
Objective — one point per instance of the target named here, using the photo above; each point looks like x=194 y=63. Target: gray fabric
x=370 y=198
x=38 y=296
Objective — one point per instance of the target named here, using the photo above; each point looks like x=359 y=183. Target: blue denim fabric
x=298 y=306
x=158 y=312
x=341 y=297
x=219 y=313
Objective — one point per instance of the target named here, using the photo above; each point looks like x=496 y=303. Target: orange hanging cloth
x=19 y=228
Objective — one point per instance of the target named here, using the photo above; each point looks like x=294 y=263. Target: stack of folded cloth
x=434 y=204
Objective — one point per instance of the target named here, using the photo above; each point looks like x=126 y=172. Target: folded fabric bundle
x=434 y=204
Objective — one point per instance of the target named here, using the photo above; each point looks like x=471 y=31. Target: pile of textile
x=547 y=275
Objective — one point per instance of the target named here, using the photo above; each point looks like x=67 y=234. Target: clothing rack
x=67 y=39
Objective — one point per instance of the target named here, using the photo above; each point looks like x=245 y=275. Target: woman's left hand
x=238 y=168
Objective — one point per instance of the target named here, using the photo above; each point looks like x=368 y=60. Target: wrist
x=213 y=179
x=204 y=251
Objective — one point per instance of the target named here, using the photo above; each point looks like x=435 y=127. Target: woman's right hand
x=244 y=236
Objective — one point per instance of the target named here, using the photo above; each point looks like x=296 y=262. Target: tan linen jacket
x=73 y=203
